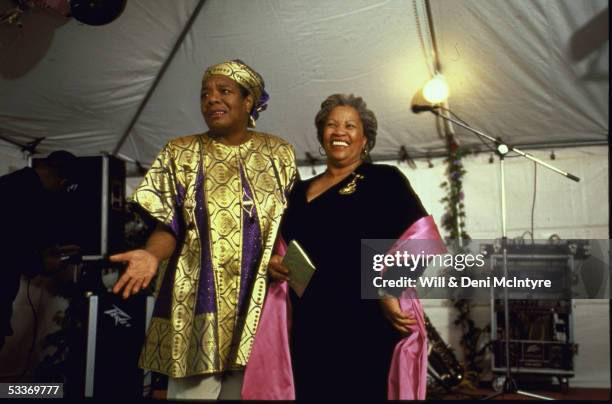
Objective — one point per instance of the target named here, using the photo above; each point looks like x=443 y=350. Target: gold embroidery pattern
x=223 y=187
x=186 y=344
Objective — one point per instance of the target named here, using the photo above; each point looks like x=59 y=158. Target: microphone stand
x=510 y=385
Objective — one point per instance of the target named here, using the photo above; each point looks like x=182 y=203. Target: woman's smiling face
x=343 y=137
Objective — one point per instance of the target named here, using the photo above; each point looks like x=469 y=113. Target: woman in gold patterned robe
x=218 y=198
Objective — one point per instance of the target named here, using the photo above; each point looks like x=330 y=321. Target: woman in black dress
x=341 y=344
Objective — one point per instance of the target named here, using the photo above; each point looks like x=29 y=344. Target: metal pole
x=509 y=384
x=511 y=148
x=505 y=267
x=90 y=360
x=159 y=76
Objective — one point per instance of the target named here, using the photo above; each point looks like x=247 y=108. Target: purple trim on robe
x=205 y=301
x=251 y=253
x=177 y=216
x=251 y=246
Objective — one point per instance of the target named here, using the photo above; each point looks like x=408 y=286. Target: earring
x=322 y=151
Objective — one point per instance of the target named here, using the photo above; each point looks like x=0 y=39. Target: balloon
x=96 y=12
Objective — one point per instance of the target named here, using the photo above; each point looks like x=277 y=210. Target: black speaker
x=92 y=214
x=115 y=335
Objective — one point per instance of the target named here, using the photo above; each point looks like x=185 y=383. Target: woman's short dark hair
x=368 y=119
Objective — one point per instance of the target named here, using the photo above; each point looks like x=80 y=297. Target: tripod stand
x=510 y=385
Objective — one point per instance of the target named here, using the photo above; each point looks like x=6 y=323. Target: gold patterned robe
x=195 y=187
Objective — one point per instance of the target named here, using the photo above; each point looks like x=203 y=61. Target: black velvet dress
x=342 y=345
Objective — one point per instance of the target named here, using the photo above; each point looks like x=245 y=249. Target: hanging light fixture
x=436 y=90
x=434 y=93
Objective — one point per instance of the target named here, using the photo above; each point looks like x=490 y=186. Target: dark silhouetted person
x=27 y=243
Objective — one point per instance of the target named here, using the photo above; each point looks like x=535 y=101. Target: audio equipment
x=92 y=214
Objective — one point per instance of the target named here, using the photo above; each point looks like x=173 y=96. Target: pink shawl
x=408 y=372
x=268 y=375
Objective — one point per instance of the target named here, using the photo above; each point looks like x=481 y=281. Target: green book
x=300 y=267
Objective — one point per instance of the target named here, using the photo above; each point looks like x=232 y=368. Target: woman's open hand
x=141 y=268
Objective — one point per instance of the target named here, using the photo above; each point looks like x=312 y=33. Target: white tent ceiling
x=532 y=72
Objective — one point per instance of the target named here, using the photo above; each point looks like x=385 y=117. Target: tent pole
x=159 y=76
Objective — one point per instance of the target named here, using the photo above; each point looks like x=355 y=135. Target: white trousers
x=225 y=386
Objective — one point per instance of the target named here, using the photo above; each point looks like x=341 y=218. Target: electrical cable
x=419 y=29
x=535 y=188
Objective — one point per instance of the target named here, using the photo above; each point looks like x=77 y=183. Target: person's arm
x=159 y=195
x=402 y=209
x=143 y=263
x=161 y=243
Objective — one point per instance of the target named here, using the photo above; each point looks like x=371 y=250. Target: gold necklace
x=247 y=203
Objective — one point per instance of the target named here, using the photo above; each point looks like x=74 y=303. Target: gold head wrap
x=248 y=78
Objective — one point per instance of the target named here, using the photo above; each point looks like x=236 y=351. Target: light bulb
x=436 y=90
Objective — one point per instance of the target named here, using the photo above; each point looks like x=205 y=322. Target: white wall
x=563 y=207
